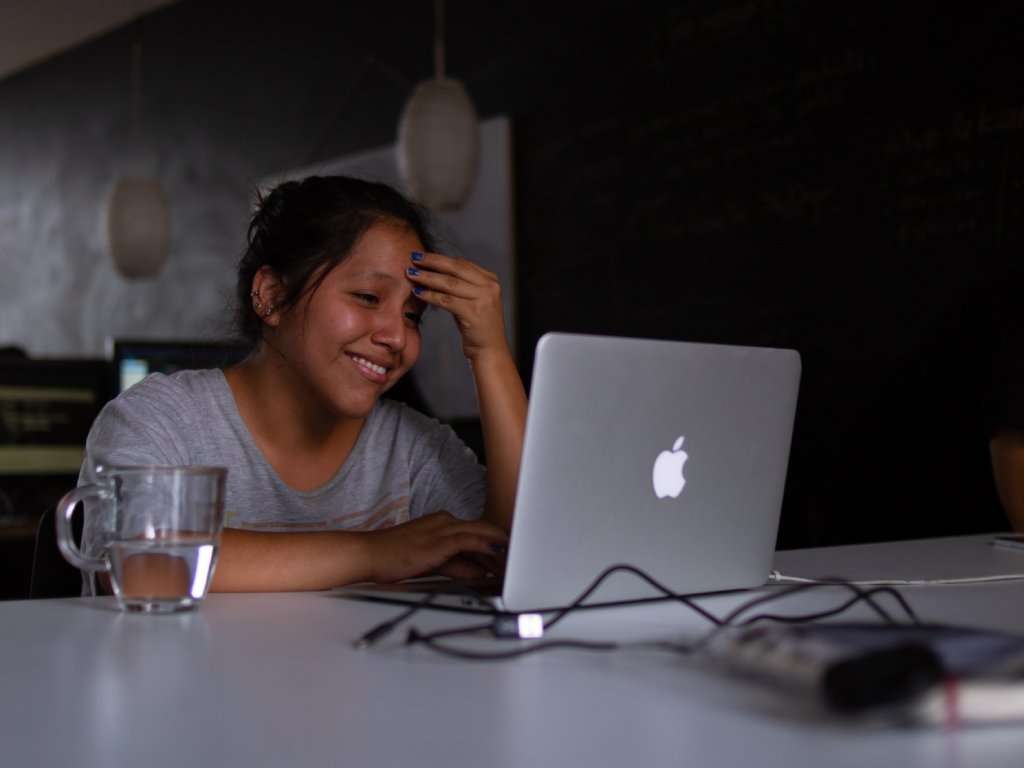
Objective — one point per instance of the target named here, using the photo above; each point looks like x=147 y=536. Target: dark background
x=846 y=180
x=782 y=173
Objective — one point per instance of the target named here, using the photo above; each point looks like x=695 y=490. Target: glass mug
x=161 y=535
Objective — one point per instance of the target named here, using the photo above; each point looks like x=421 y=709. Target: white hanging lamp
x=439 y=136
x=138 y=226
x=138 y=217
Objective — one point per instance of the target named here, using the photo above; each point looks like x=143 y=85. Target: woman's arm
x=503 y=418
x=473 y=296
x=260 y=561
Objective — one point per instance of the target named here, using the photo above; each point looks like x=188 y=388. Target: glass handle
x=65 y=538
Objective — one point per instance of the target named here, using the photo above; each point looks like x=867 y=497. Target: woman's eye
x=367 y=298
x=416 y=318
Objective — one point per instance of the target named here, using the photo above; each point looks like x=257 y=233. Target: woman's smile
x=375 y=372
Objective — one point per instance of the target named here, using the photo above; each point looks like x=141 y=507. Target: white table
x=273 y=680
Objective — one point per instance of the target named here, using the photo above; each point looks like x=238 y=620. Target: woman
x=327 y=483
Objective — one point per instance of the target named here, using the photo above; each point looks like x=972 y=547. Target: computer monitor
x=133 y=360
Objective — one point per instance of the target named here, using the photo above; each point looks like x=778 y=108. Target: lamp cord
x=439 y=39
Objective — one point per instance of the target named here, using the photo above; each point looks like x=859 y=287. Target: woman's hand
x=470 y=293
x=437 y=543
x=473 y=296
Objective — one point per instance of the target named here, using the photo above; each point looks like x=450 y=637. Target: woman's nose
x=391 y=331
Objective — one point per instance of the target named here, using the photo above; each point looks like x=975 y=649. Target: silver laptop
x=668 y=456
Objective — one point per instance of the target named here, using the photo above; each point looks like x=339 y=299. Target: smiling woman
x=355 y=331
x=327 y=483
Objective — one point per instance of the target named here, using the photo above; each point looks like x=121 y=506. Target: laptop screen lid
x=668 y=456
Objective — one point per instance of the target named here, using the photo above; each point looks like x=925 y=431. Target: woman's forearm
x=503 y=418
x=258 y=561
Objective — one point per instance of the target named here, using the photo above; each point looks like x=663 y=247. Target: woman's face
x=358 y=333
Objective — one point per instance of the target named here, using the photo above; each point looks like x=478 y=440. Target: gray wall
x=65 y=136
x=230 y=96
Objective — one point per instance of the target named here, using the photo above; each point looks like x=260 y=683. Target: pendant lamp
x=138 y=217
x=439 y=136
x=138 y=226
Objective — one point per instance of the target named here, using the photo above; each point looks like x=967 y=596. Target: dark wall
x=845 y=181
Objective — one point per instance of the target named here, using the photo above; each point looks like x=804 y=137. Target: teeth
x=372 y=366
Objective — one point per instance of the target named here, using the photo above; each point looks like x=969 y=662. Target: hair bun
x=270 y=209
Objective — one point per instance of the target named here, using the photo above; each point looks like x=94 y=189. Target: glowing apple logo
x=668 y=471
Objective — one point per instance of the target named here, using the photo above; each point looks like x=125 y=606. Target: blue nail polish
x=412 y=271
x=417 y=256
x=418 y=290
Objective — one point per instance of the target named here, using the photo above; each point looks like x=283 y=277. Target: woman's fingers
x=461 y=543
x=470 y=293
x=429 y=542
x=452 y=524
x=454 y=266
x=479 y=528
x=468 y=542
x=491 y=563
x=436 y=281
x=454 y=537
x=463 y=568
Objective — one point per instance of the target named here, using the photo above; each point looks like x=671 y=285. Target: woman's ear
x=268 y=291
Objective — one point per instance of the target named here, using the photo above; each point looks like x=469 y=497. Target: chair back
x=52 y=575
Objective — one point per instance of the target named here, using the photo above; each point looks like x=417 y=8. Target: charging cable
x=532 y=626
x=383 y=629
x=779 y=578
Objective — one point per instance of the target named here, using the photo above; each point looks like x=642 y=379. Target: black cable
x=732 y=616
x=823 y=614
x=885 y=588
x=859 y=596
x=402 y=599
x=414 y=636
x=381 y=630
x=376 y=633
x=472 y=629
x=563 y=612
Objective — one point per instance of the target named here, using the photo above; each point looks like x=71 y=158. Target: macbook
x=667 y=456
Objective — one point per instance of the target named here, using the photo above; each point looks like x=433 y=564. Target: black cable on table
x=415 y=637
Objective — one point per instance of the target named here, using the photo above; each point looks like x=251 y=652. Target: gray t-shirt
x=402 y=466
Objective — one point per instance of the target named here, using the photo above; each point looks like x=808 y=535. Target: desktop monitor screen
x=135 y=360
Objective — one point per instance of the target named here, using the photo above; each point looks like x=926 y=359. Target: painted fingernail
x=412 y=271
x=417 y=256
x=418 y=290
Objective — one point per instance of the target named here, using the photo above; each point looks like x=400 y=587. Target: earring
x=258 y=307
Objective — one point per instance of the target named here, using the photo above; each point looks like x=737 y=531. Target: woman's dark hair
x=301 y=226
